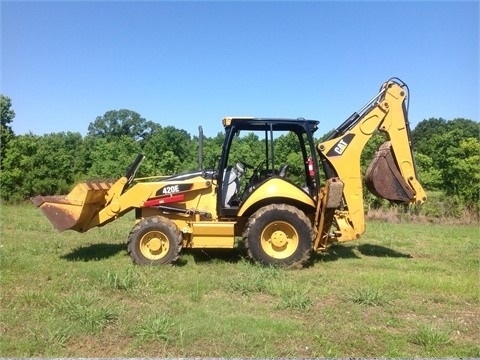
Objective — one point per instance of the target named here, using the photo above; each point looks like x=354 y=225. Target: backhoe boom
x=392 y=174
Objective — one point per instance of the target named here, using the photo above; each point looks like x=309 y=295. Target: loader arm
x=392 y=174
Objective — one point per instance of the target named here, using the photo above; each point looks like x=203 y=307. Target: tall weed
x=295 y=299
x=87 y=312
x=430 y=338
x=369 y=297
x=157 y=327
x=120 y=281
x=256 y=279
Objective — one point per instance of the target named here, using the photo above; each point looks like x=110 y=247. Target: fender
x=271 y=189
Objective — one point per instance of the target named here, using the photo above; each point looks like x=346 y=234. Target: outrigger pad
x=383 y=177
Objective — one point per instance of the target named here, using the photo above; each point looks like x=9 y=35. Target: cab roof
x=277 y=124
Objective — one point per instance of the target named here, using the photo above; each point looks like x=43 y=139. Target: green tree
x=16 y=177
x=430 y=176
x=212 y=148
x=427 y=135
x=449 y=160
x=470 y=128
x=116 y=123
x=422 y=135
x=288 y=151
x=6 y=133
x=44 y=165
x=111 y=159
x=247 y=147
x=462 y=171
x=170 y=150
x=57 y=165
x=169 y=164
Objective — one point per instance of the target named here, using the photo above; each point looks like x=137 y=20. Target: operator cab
x=258 y=149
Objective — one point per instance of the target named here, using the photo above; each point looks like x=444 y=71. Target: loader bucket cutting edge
x=383 y=177
x=75 y=210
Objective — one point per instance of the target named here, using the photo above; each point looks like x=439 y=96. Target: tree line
x=446 y=154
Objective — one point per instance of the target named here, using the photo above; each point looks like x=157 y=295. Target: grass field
x=403 y=290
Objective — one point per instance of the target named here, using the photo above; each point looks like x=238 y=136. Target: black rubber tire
x=279 y=235
x=155 y=240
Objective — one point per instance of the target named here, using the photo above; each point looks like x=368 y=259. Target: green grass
x=402 y=290
x=430 y=338
x=369 y=297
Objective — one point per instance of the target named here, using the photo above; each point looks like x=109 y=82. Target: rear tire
x=155 y=240
x=279 y=235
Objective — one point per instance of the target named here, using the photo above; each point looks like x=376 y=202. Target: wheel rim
x=154 y=245
x=279 y=240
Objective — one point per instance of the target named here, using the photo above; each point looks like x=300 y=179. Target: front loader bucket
x=383 y=177
x=75 y=210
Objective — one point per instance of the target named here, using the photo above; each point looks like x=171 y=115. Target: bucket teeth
x=99 y=185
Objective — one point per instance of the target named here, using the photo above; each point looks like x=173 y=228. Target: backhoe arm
x=392 y=174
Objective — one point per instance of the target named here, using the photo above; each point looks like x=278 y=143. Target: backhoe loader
x=280 y=221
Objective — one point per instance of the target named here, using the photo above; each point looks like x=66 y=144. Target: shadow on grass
x=200 y=256
x=335 y=252
x=94 y=252
x=381 y=251
x=338 y=251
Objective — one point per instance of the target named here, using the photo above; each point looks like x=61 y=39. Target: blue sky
x=191 y=63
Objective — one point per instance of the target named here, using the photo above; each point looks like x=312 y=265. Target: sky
x=191 y=63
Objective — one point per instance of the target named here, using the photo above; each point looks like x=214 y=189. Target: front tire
x=155 y=240
x=279 y=235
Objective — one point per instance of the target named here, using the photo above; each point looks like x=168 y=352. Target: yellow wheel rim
x=279 y=240
x=154 y=245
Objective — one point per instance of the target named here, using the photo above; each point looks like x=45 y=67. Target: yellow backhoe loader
x=281 y=221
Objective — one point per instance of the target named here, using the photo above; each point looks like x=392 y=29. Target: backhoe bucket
x=75 y=210
x=383 y=177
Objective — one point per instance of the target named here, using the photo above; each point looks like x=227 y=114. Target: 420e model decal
x=172 y=189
